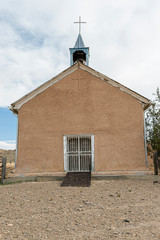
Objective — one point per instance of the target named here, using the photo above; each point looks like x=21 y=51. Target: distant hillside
x=9 y=154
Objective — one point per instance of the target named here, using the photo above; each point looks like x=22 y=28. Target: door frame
x=65 y=149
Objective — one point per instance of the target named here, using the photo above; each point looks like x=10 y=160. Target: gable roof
x=15 y=106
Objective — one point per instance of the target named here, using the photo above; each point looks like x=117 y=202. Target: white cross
x=79 y=24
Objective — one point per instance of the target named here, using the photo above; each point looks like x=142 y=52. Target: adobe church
x=81 y=117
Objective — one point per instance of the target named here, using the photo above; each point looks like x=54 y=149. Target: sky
x=123 y=37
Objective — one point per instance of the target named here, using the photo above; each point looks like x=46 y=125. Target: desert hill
x=9 y=154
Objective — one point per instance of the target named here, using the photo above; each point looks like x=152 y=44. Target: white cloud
x=8 y=145
x=123 y=37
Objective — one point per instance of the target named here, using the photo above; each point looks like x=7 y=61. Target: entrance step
x=77 y=179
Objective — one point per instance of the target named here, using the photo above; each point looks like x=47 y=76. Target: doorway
x=78 y=153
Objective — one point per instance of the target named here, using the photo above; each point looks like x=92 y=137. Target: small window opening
x=79 y=56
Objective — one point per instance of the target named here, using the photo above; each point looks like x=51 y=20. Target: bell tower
x=79 y=52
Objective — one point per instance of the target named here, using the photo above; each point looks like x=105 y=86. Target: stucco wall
x=81 y=104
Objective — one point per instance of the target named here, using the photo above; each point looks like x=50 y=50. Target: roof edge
x=15 y=106
x=121 y=87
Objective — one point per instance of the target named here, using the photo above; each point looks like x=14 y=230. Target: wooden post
x=0 y=168
x=158 y=160
x=155 y=163
x=3 y=168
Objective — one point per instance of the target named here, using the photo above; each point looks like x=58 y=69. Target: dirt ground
x=109 y=209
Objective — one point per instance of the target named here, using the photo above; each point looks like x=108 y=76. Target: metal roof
x=79 y=43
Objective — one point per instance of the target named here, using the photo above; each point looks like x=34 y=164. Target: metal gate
x=78 y=153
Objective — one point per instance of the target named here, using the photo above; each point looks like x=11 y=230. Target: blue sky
x=8 y=125
x=123 y=37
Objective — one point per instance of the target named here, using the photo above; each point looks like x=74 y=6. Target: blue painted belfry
x=79 y=52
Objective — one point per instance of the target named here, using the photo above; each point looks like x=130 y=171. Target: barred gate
x=2 y=168
x=78 y=153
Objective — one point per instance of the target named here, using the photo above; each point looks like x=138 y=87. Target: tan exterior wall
x=81 y=104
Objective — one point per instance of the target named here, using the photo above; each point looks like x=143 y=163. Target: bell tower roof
x=79 y=43
x=79 y=52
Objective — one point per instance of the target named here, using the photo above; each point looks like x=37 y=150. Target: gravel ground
x=109 y=209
